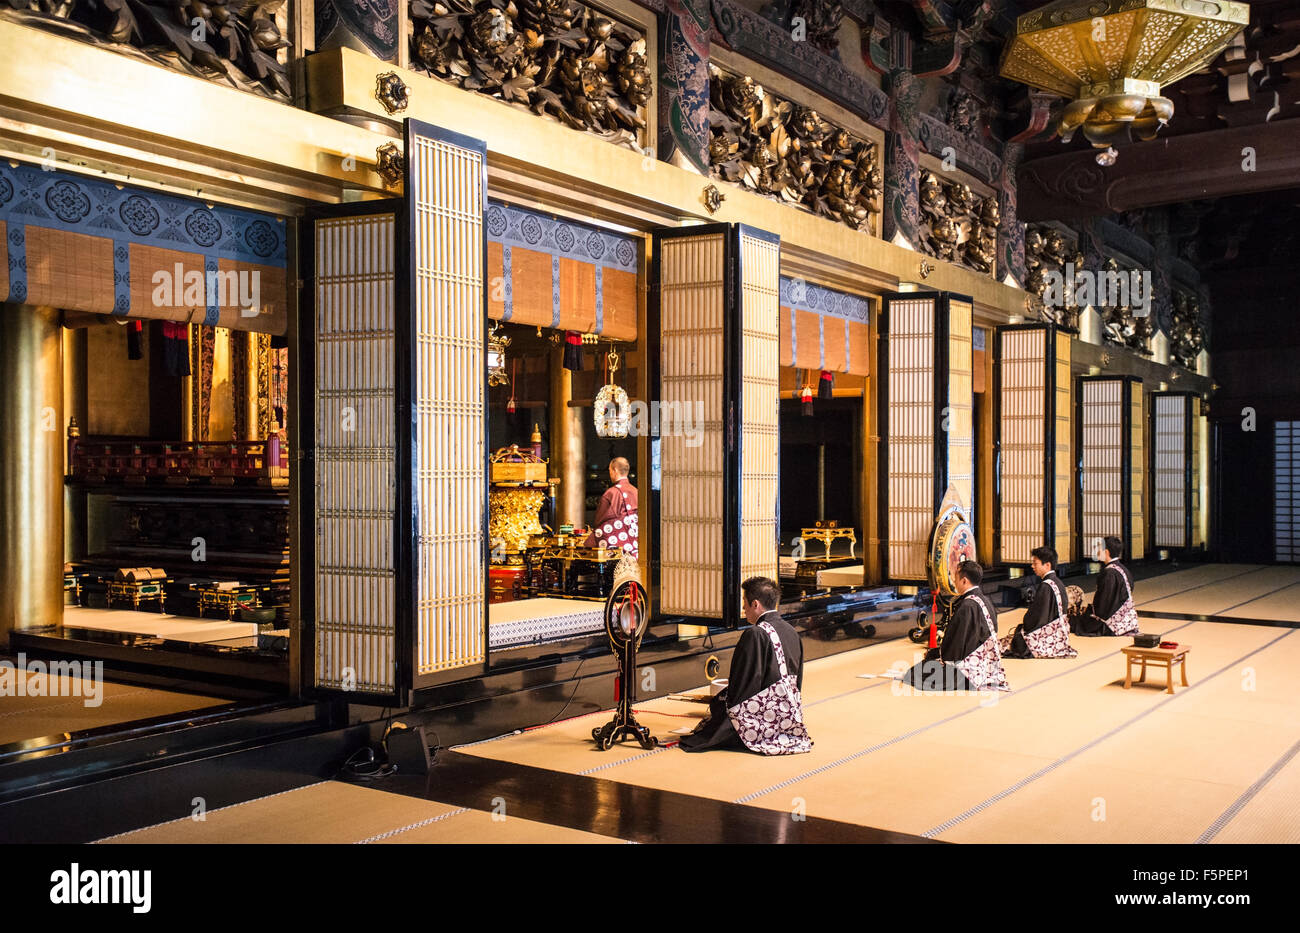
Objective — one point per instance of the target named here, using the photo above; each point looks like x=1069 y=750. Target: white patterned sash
x=771 y=721
x=983 y=666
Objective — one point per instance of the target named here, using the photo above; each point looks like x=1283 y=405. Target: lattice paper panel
x=1023 y=406
x=355 y=454
x=760 y=406
x=911 y=435
x=1169 y=457
x=692 y=304
x=1286 y=491
x=1200 y=481
x=1138 y=471
x=960 y=426
x=1104 y=459
x=446 y=183
x=1064 y=480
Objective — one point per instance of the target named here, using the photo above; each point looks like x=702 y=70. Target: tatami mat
x=152 y=624
x=1245 y=593
x=82 y=705
x=1068 y=755
x=335 y=812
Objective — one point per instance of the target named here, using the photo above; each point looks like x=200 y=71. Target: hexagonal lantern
x=1110 y=58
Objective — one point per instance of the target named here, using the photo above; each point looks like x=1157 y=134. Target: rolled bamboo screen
x=448 y=398
x=1101 y=415
x=355 y=454
x=1138 y=470
x=911 y=435
x=1022 y=426
x=959 y=422
x=1169 y=458
x=692 y=304
x=1064 y=479
x=760 y=443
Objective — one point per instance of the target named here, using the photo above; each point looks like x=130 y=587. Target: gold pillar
x=76 y=404
x=568 y=444
x=31 y=468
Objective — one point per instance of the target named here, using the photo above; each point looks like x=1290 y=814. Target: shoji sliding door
x=394 y=431
x=1109 y=439
x=716 y=313
x=1032 y=440
x=926 y=404
x=1172 y=467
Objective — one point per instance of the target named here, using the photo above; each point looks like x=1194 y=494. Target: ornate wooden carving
x=234 y=43
x=958 y=225
x=559 y=58
x=790 y=152
x=1048 y=250
x=1186 y=334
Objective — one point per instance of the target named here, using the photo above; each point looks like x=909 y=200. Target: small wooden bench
x=1157 y=657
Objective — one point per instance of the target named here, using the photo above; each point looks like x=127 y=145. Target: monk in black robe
x=1045 y=631
x=756 y=668
x=1112 y=611
x=968 y=657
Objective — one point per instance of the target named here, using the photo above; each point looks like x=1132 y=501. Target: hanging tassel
x=934 y=620
x=805 y=398
x=826 y=384
x=573 y=351
x=133 y=350
x=514 y=373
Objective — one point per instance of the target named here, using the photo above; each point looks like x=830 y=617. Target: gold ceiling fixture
x=1110 y=58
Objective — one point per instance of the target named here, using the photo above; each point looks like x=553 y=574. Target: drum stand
x=624 y=724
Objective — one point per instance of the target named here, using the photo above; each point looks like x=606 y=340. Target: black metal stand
x=624 y=724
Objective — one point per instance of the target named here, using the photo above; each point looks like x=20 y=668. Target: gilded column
x=568 y=445
x=31 y=468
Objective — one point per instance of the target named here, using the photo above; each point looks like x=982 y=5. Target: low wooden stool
x=1157 y=657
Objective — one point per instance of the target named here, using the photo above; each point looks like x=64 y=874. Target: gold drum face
x=954 y=542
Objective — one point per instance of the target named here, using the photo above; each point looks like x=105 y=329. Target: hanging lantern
x=612 y=404
x=1110 y=58
x=497 y=343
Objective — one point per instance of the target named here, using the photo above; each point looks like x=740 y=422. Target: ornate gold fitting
x=926 y=268
x=713 y=198
x=389 y=163
x=392 y=92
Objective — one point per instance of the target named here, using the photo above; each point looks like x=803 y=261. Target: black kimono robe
x=753 y=668
x=968 y=658
x=1044 y=623
x=1104 y=617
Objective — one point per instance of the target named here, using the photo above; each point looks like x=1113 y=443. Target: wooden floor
x=1067 y=756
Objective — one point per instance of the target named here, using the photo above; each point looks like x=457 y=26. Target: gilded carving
x=559 y=58
x=957 y=225
x=789 y=152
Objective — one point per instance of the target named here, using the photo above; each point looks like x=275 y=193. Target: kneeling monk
x=1112 y=611
x=1044 y=631
x=760 y=708
x=968 y=658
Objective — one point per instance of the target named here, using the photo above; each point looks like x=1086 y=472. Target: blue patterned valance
x=517 y=226
x=32 y=196
x=805 y=296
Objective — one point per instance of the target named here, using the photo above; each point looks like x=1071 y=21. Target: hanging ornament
x=497 y=343
x=806 y=395
x=826 y=385
x=514 y=376
x=612 y=404
x=573 y=351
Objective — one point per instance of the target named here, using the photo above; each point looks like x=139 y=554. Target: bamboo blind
x=1101 y=414
x=960 y=420
x=692 y=305
x=355 y=454
x=1022 y=425
x=911 y=435
x=1064 y=480
x=448 y=398
x=760 y=406
x=1169 y=457
x=1138 y=471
